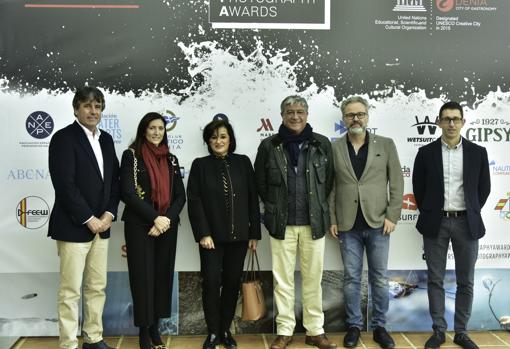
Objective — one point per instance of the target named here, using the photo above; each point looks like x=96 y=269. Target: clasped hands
x=161 y=224
x=101 y=224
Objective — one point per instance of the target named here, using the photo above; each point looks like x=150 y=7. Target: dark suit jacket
x=80 y=191
x=206 y=200
x=142 y=211
x=428 y=186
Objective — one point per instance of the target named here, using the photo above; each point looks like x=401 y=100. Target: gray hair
x=354 y=99
x=293 y=100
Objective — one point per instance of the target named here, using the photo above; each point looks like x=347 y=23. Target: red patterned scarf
x=156 y=160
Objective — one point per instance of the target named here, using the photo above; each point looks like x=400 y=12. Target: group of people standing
x=352 y=189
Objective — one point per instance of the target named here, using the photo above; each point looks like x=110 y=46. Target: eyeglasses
x=447 y=121
x=360 y=115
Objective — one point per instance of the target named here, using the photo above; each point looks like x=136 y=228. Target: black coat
x=142 y=211
x=428 y=186
x=80 y=191
x=207 y=208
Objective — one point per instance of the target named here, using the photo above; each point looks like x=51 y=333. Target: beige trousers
x=311 y=259
x=81 y=263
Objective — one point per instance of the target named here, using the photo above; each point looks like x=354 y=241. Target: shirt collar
x=89 y=133
x=455 y=147
x=366 y=138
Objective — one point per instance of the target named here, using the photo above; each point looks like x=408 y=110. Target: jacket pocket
x=270 y=217
x=273 y=176
x=320 y=171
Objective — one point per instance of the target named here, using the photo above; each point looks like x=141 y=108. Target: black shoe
x=211 y=341
x=351 y=337
x=435 y=341
x=99 y=345
x=382 y=338
x=464 y=341
x=155 y=336
x=228 y=341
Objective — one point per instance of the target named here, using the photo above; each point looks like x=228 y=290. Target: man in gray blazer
x=365 y=206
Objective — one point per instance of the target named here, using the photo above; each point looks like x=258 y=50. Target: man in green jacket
x=294 y=173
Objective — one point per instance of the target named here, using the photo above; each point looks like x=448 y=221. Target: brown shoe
x=320 y=341
x=281 y=342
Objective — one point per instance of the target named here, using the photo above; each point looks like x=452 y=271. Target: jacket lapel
x=344 y=152
x=438 y=162
x=85 y=144
x=107 y=165
x=281 y=160
x=372 y=151
x=466 y=163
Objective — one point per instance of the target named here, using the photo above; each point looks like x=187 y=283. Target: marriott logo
x=265 y=126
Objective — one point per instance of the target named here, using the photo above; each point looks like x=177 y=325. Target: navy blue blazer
x=428 y=186
x=80 y=191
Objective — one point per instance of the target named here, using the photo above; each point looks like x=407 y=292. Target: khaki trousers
x=311 y=259
x=81 y=263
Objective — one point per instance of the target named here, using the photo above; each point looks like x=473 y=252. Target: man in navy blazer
x=451 y=183
x=84 y=172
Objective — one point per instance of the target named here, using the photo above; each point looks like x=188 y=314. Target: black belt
x=454 y=214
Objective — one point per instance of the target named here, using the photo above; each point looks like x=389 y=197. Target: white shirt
x=453 y=177
x=96 y=147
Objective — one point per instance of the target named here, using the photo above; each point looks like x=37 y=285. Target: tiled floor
x=411 y=340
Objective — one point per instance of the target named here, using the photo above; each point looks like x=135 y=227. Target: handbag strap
x=138 y=189
x=135 y=167
x=252 y=273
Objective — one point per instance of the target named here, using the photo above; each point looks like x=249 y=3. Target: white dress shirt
x=96 y=148
x=453 y=177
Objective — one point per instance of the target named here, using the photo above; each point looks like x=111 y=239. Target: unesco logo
x=32 y=212
x=39 y=124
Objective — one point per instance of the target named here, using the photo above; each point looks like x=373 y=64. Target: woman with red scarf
x=153 y=191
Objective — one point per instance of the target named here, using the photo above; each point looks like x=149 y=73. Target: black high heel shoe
x=143 y=337
x=211 y=341
x=157 y=343
x=228 y=340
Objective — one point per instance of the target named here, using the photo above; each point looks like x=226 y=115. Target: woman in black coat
x=223 y=210
x=153 y=191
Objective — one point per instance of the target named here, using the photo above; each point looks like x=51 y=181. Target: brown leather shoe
x=320 y=341
x=281 y=342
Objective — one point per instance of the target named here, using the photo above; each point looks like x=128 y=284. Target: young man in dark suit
x=84 y=172
x=451 y=183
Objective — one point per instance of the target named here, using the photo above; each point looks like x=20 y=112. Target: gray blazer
x=379 y=189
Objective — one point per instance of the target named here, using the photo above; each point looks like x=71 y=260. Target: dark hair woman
x=223 y=209
x=152 y=189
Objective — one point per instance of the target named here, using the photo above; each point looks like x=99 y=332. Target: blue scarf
x=291 y=141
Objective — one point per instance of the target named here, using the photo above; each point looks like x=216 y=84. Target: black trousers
x=221 y=271
x=465 y=250
x=151 y=264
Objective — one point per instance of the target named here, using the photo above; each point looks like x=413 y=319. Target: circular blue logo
x=39 y=124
